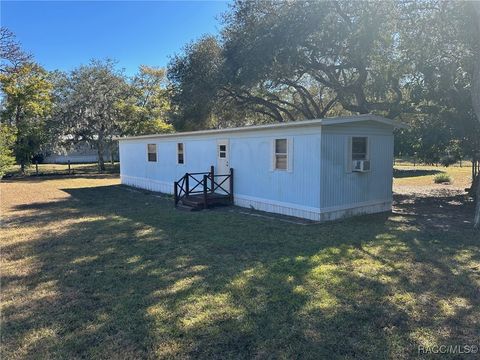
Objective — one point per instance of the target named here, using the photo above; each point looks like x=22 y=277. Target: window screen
x=359 y=148
x=281 y=154
x=152 y=152
x=180 y=153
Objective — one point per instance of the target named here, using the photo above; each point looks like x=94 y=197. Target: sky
x=64 y=34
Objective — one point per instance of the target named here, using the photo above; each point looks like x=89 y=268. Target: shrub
x=448 y=160
x=442 y=178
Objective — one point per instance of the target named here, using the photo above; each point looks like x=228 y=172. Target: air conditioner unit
x=361 y=165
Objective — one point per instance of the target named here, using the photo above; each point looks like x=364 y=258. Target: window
x=180 y=156
x=152 y=152
x=222 y=151
x=281 y=157
x=359 y=148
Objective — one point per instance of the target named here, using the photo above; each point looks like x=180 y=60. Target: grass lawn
x=92 y=269
x=406 y=174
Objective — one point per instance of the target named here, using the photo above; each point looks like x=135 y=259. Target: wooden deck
x=196 y=191
x=197 y=201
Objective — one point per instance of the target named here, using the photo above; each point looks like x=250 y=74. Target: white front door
x=223 y=163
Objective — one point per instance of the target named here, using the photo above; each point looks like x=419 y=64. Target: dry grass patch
x=422 y=176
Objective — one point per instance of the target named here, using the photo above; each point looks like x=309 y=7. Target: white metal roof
x=290 y=124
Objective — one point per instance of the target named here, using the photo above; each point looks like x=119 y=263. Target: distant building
x=80 y=153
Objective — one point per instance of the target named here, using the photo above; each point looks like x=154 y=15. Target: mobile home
x=321 y=169
x=79 y=153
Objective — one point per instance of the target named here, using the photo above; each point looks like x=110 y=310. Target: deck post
x=187 y=187
x=231 y=185
x=205 y=179
x=212 y=177
x=175 y=192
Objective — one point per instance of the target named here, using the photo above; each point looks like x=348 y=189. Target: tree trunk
x=22 y=157
x=476 y=221
x=476 y=103
x=19 y=141
x=111 y=151
x=100 y=152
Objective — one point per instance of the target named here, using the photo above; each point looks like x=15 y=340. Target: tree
x=280 y=60
x=96 y=102
x=26 y=101
x=446 y=53
x=437 y=40
x=11 y=53
x=195 y=76
x=277 y=61
x=317 y=54
x=7 y=140
x=476 y=102
x=86 y=106
x=295 y=60
x=26 y=104
x=146 y=109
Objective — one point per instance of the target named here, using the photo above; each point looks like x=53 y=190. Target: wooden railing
x=203 y=183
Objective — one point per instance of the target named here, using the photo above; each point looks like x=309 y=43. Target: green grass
x=93 y=271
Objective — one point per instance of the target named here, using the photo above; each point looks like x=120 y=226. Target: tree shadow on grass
x=121 y=274
x=440 y=210
x=404 y=173
x=33 y=179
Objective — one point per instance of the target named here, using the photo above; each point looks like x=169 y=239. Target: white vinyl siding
x=314 y=185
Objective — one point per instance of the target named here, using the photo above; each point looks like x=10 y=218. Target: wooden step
x=183 y=207
x=191 y=203
x=198 y=201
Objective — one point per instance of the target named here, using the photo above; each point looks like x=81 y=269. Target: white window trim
x=178 y=153
x=367 y=152
x=220 y=143
x=289 y=154
x=156 y=152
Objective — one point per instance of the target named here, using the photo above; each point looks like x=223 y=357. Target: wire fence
x=416 y=162
x=62 y=169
